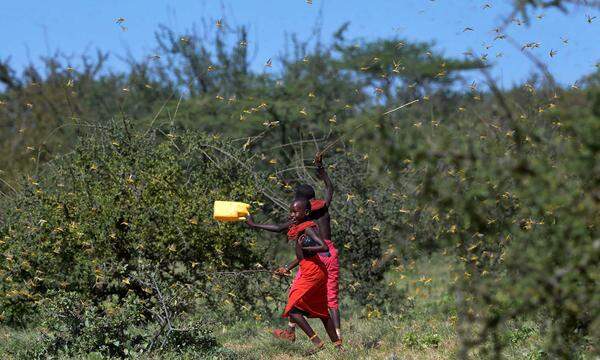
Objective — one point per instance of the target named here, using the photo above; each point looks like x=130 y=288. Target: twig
x=400 y=107
x=176 y=109
x=294 y=143
x=291 y=168
x=498 y=94
x=158 y=113
x=161 y=300
x=302 y=155
x=248 y=137
x=9 y=186
x=236 y=273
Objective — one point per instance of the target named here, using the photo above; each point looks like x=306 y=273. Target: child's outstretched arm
x=278 y=228
x=323 y=176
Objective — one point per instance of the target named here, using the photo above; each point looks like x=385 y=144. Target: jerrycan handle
x=243 y=211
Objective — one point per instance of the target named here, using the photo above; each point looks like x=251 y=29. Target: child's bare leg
x=305 y=326
x=330 y=328
x=335 y=316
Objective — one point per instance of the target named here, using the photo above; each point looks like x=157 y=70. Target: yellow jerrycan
x=230 y=210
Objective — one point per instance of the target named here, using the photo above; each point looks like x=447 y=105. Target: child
x=308 y=295
x=320 y=214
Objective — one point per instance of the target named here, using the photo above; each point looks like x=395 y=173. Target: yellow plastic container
x=230 y=210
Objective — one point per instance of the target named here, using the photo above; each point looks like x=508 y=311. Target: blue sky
x=33 y=28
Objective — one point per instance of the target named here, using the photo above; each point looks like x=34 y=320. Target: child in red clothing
x=308 y=295
x=319 y=214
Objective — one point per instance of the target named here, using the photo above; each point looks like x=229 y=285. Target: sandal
x=285 y=334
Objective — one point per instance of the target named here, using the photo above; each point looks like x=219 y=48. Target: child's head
x=299 y=210
x=304 y=191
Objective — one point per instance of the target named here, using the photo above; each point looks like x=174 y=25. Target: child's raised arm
x=278 y=228
x=323 y=176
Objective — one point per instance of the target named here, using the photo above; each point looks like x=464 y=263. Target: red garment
x=317 y=204
x=333 y=272
x=297 y=230
x=330 y=260
x=309 y=292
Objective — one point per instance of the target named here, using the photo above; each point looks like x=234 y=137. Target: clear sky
x=31 y=28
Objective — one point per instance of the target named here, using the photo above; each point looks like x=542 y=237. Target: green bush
x=517 y=200
x=363 y=216
x=123 y=327
x=116 y=326
x=123 y=205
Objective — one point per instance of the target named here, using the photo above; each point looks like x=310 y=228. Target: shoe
x=285 y=334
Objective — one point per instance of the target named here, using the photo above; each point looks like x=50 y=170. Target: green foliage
x=82 y=239
x=519 y=199
x=360 y=216
x=74 y=325
x=124 y=326
x=319 y=89
x=390 y=66
x=116 y=327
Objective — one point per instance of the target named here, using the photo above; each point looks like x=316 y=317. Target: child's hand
x=318 y=159
x=320 y=167
x=321 y=172
x=281 y=271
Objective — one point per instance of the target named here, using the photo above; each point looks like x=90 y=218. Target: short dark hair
x=304 y=191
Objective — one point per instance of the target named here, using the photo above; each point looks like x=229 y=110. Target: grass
x=425 y=331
